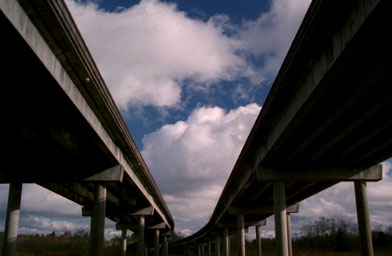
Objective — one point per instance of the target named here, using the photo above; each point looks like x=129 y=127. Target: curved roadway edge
x=50 y=31
x=318 y=52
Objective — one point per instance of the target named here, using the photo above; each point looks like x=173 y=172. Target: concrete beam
x=114 y=174
x=126 y=212
x=373 y=173
x=246 y=224
x=261 y=223
x=158 y=226
x=12 y=219
x=145 y=211
x=260 y=210
x=169 y=233
x=135 y=226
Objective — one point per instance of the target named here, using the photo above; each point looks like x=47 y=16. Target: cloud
x=150 y=52
x=46 y=225
x=37 y=200
x=269 y=37
x=146 y=52
x=192 y=159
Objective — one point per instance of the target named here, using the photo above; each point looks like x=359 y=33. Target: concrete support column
x=202 y=249
x=199 y=249
x=289 y=242
x=165 y=246
x=12 y=219
x=365 y=233
x=97 y=226
x=226 y=241
x=258 y=239
x=156 y=243
x=140 y=237
x=209 y=248
x=124 y=242
x=241 y=235
x=280 y=219
x=217 y=246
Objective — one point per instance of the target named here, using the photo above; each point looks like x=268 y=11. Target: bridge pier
x=209 y=248
x=165 y=246
x=289 y=242
x=217 y=246
x=226 y=241
x=280 y=219
x=365 y=233
x=124 y=242
x=241 y=235
x=12 y=219
x=140 y=236
x=97 y=226
x=156 y=243
x=258 y=239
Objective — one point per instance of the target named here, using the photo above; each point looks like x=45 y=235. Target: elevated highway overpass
x=62 y=130
x=326 y=119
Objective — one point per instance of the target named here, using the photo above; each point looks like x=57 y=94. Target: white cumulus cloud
x=147 y=51
x=192 y=159
x=150 y=51
x=270 y=36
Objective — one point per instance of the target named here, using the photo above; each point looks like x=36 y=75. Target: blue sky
x=190 y=78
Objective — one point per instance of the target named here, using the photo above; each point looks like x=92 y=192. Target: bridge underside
x=46 y=139
x=345 y=121
x=329 y=111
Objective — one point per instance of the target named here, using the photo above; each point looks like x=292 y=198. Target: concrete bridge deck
x=61 y=128
x=326 y=119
